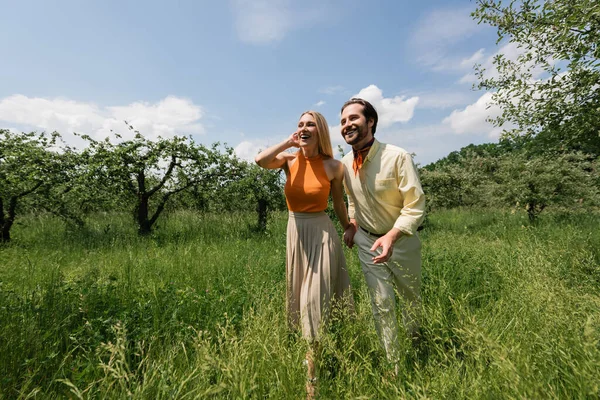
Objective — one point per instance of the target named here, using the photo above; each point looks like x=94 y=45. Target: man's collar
x=373 y=150
x=366 y=146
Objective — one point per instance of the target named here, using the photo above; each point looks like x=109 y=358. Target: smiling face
x=356 y=130
x=308 y=134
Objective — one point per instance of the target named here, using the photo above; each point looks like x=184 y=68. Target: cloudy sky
x=242 y=71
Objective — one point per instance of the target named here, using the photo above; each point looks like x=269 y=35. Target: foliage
x=259 y=189
x=487 y=150
x=450 y=186
x=30 y=163
x=156 y=170
x=553 y=85
x=512 y=178
x=251 y=189
x=565 y=180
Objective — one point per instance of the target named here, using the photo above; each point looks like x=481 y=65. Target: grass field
x=197 y=311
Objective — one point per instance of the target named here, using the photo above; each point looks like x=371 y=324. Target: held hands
x=386 y=242
x=349 y=233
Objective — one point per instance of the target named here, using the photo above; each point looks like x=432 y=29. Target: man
x=386 y=205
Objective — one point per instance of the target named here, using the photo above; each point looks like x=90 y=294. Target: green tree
x=264 y=188
x=486 y=150
x=461 y=179
x=30 y=163
x=552 y=87
x=255 y=189
x=151 y=172
x=534 y=183
x=74 y=195
x=521 y=177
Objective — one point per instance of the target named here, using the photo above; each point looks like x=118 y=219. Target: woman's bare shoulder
x=332 y=163
x=335 y=167
x=289 y=158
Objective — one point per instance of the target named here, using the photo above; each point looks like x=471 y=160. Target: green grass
x=196 y=310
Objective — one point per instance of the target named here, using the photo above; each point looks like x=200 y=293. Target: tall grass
x=196 y=310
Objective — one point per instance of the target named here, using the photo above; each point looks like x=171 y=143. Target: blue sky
x=242 y=72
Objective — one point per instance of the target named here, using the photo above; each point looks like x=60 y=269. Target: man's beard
x=361 y=133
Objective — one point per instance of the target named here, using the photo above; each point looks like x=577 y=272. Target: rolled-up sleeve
x=413 y=209
x=351 y=209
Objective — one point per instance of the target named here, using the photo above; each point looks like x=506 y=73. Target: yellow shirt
x=386 y=193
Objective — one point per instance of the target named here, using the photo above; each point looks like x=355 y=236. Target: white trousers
x=402 y=271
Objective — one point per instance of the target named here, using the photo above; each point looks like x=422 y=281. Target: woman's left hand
x=349 y=233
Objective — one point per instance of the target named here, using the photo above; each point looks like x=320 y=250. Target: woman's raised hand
x=294 y=139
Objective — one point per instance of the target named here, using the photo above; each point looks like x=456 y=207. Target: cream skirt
x=315 y=271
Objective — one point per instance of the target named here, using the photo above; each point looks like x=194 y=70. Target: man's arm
x=413 y=209
x=350 y=229
x=412 y=213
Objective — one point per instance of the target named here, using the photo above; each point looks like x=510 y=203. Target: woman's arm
x=274 y=157
x=337 y=193
x=336 y=169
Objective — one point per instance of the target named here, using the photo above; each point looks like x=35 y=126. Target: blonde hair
x=323 y=132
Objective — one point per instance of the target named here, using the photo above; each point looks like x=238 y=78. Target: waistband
x=371 y=233
x=307 y=215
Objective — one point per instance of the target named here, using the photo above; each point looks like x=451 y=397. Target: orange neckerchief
x=360 y=155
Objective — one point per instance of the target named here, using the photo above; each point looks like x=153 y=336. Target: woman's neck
x=310 y=152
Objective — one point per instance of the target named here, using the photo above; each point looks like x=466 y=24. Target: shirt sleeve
x=413 y=208
x=350 y=201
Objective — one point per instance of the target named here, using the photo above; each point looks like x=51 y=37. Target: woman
x=315 y=265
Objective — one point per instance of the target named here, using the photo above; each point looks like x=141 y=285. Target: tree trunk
x=2 y=220
x=261 y=209
x=531 y=212
x=6 y=221
x=5 y=235
x=144 y=226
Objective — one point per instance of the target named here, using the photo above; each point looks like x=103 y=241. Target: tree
x=518 y=177
x=265 y=188
x=449 y=187
x=485 y=150
x=28 y=166
x=156 y=170
x=553 y=87
x=256 y=189
x=462 y=178
x=535 y=183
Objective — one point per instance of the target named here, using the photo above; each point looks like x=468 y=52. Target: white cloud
x=332 y=89
x=248 y=149
x=444 y=99
x=267 y=21
x=475 y=58
x=473 y=118
x=511 y=51
x=436 y=35
x=429 y=142
x=319 y=103
x=262 y=21
x=336 y=136
x=168 y=117
x=390 y=110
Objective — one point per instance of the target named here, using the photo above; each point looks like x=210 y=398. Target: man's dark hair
x=368 y=110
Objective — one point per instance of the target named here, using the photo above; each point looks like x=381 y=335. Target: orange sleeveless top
x=307 y=188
